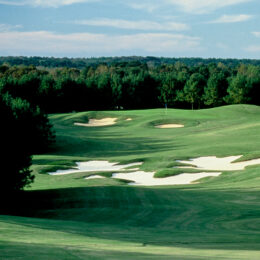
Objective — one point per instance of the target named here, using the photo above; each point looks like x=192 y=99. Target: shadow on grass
x=196 y=218
x=25 y=251
x=113 y=146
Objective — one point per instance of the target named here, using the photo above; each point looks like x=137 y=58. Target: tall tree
x=24 y=131
x=169 y=87
x=116 y=86
x=16 y=156
x=238 y=90
x=193 y=89
x=215 y=90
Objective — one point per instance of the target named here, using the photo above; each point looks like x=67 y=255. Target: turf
x=67 y=217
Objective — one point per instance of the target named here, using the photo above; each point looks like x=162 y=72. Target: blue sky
x=94 y=28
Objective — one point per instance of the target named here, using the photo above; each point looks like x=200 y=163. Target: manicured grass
x=67 y=217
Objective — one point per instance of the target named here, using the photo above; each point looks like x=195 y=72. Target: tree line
x=132 y=85
x=80 y=63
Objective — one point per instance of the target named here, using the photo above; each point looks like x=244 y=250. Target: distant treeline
x=151 y=62
x=132 y=85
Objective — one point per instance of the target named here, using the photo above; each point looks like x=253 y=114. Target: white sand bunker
x=204 y=163
x=138 y=177
x=129 y=119
x=169 y=126
x=220 y=164
x=95 y=177
x=95 y=166
x=98 y=122
x=147 y=178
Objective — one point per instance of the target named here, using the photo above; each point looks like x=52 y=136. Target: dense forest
x=132 y=85
x=29 y=92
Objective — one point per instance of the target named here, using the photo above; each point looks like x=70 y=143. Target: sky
x=165 y=28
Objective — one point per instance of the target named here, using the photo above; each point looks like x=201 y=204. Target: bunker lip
x=98 y=122
x=164 y=126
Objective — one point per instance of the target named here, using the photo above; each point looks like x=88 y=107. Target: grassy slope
x=105 y=219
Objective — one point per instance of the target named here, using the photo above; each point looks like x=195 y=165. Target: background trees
x=237 y=90
x=215 y=90
x=168 y=89
x=193 y=89
x=131 y=83
x=81 y=63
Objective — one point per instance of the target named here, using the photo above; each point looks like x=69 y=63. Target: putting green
x=69 y=217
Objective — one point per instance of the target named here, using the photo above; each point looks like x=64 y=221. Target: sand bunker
x=129 y=119
x=219 y=164
x=169 y=126
x=204 y=163
x=147 y=178
x=95 y=166
x=95 y=177
x=136 y=176
x=98 y=122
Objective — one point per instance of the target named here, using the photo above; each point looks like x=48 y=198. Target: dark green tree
x=116 y=86
x=104 y=89
x=25 y=131
x=168 y=89
x=16 y=156
x=238 y=90
x=193 y=90
x=215 y=90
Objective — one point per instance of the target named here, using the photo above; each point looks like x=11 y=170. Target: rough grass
x=67 y=217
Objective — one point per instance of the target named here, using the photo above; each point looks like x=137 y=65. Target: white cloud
x=253 y=48
x=256 y=34
x=222 y=46
x=88 y=44
x=190 y=6
x=149 y=7
x=10 y=2
x=44 y=3
x=8 y=27
x=203 y=6
x=232 y=18
x=135 y=25
x=56 y=3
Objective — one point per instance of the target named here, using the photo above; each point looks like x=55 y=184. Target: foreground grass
x=67 y=217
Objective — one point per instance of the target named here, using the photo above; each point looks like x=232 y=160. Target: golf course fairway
x=71 y=217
